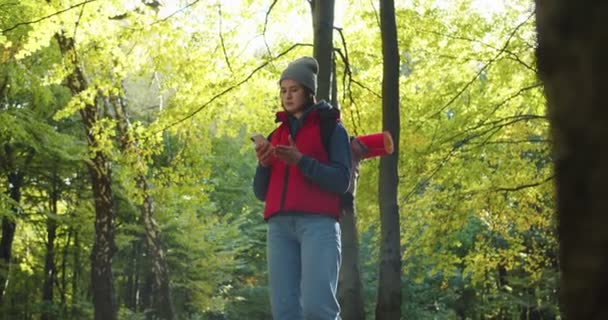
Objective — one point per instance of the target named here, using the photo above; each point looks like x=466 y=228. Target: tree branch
x=347 y=79
x=496 y=126
x=375 y=13
x=434 y=172
x=522 y=141
x=463 y=38
x=498 y=123
x=522 y=187
x=219 y=9
x=459 y=144
x=176 y=12
x=78 y=21
x=232 y=87
x=9 y=4
x=484 y=68
x=46 y=17
x=266 y=26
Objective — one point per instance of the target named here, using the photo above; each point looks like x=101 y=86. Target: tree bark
x=350 y=287
x=323 y=26
x=64 y=277
x=388 y=305
x=130 y=298
x=76 y=291
x=49 y=261
x=161 y=290
x=334 y=83
x=99 y=169
x=571 y=53
x=15 y=181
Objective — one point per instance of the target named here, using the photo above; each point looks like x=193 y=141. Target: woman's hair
x=310 y=96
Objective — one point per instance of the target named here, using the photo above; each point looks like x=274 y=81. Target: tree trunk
x=334 y=83
x=49 y=263
x=388 y=305
x=76 y=291
x=161 y=290
x=350 y=287
x=15 y=181
x=99 y=169
x=350 y=291
x=571 y=54
x=64 y=277
x=323 y=25
x=130 y=298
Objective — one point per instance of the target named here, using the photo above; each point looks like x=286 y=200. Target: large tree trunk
x=572 y=59
x=388 y=305
x=49 y=262
x=15 y=180
x=99 y=169
x=350 y=287
x=323 y=25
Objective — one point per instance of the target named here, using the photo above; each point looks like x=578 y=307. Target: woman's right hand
x=263 y=151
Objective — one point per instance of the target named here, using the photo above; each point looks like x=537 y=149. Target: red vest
x=289 y=190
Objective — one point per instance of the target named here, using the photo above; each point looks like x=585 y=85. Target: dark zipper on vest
x=284 y=194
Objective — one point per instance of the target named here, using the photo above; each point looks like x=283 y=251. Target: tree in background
x=100 y=172
x=389 y=282
x=350 y=291
x=323 y=45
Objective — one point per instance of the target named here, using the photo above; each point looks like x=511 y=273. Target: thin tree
x=162 y=303
x=50 y=269
x=388 y=306
x=15 y=178
x=571 y=53
x=323 y=47
x=350 y=286
x=350 y=292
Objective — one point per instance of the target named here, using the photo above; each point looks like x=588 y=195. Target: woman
x=301 y=180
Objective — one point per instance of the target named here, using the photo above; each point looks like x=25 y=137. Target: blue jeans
x=303 y=264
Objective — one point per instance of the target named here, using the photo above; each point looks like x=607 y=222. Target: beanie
x=303 y=70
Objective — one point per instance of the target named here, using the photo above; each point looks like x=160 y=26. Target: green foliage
x=476 y=200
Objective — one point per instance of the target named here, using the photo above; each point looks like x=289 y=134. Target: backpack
x=328 y=122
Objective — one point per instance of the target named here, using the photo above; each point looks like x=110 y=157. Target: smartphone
x=257 y=138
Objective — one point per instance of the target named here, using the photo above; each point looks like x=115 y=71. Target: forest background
x=144 y=108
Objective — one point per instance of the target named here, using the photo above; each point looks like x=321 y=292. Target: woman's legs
x=283 y=254
x=320 y=257
x=303 y=266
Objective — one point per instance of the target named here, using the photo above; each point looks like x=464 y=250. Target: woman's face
x=293 y=96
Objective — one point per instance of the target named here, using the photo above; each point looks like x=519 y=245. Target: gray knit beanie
x=303 y=70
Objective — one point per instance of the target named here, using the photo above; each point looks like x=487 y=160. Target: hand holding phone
x=263 y=149
x=258 y=139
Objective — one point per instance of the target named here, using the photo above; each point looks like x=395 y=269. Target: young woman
x=300 y=180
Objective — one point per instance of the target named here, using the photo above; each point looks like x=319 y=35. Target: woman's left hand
x=288 y=154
